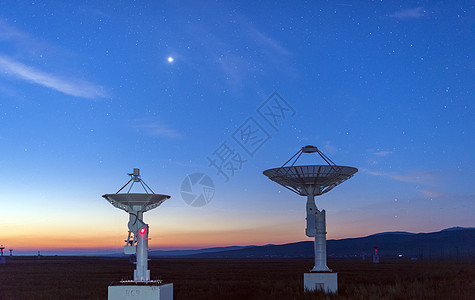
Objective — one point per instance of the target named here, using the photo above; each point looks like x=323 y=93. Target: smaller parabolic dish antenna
x=311 y=181
x=136 y=202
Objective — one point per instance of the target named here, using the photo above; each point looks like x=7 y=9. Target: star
x=170 y=59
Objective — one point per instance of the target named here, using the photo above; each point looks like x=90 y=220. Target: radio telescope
x=311 y=181
x=3 y=259
x=137 y=241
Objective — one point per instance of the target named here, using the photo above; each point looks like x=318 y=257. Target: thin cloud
x=23 y=42
x=432 y=194
x=268 y=53
x=375 y=157
x=156 y=128
x=94 y=12
x=77 y=88
x=414 y=177
x=409 y=13
x=8 y=32
x=382 y=153
x=277 y=56
x=234 y=67
x=267 y=43
x=329 y=148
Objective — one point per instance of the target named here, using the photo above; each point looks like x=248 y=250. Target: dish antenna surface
x=137 y=240
x=311 y=181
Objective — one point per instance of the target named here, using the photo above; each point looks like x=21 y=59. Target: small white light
x=170 y=59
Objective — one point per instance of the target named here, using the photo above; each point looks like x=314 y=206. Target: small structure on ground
x=375 y=255
x=311 y=181
x=3 y=259
x=141 y=287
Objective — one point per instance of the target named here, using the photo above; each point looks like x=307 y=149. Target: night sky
x=90 y=90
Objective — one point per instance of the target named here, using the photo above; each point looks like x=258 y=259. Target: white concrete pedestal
x=325 y=281
x=140 y=291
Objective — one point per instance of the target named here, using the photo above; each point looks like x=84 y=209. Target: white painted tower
x=137 y=243
x=311 y=181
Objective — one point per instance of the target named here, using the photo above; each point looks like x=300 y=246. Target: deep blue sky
x=87 y=93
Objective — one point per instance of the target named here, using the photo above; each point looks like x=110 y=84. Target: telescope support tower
x=135 y=204
x=311 y=181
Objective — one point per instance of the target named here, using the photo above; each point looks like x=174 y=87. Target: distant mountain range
x=169 y=253
x=451 y=242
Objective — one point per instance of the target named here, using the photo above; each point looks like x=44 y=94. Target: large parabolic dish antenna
x=311 y=181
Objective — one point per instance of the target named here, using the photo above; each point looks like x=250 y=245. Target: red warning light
x=143 y=230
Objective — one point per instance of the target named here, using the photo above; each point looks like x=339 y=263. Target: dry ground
x=88 y=278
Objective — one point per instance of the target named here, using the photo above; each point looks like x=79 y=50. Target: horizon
x=117 y=251
x=216 y=91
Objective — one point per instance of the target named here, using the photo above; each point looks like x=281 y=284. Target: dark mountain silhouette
x=170 y=253
x=448 y=243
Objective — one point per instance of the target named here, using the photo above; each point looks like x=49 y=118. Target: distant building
x=3 y=259
x=375 y=255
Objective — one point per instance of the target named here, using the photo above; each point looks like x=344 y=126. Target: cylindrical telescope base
x=310 y=230
x=320 y=243
x=141 y=272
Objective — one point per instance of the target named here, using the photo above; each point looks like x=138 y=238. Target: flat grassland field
x=88 y=278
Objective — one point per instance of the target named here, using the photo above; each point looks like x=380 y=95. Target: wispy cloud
x=234 y=68
x=8 y=32
x=376 y=157
x=24 y=47
x=265 y=53
x=156 y=128
x=329 y=148
x=414 y=177
x=382 y=153
x=237 y=68
x=409 y=13
x=73 y=87
x=432 y=194
x=267 y=43
x=95 y=12
x=23 y=43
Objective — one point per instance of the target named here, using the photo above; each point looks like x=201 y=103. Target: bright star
x=170 y=59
